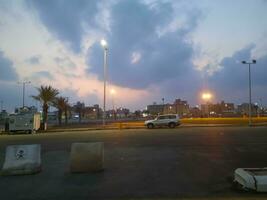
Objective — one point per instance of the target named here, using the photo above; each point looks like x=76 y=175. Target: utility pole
x=249 y=82
x=163 y=105
x=23 y=91
x=105 y=46
x=2 y=103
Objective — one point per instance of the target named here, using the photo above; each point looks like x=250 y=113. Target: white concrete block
x=22 y=159
x=252 y=178
x=87 y=157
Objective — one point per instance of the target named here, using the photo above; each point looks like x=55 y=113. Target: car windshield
x=133 y=99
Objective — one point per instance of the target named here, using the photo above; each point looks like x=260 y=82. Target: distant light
x=104 y=43
x=112 y=91
x=145 y=114
x=244 y=62
x=254 y=61
x=206 y=96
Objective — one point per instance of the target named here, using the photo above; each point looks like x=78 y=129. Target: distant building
x=227 y=109
x=195 y=112
x=243 y=109
x=92 y=112
x=122 y=113
x=181 y=107
x=222 y=109
x=178 y=107
x=155 y=109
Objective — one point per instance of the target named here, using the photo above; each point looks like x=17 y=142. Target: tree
x=66 y=110
x=46 y=96
x=61 y=104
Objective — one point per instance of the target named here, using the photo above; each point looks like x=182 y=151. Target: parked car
x=170 y=120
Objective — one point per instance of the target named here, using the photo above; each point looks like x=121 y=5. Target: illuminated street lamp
x=206 y=96
x=23 y=91
x=249 y=81
x=104 y=44
x=112 y=91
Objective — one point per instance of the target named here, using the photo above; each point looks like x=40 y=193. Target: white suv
x=170 y=120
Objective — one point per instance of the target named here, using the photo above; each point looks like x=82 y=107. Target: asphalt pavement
x=157 y=163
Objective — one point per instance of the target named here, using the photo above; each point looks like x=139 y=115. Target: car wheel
x=171 y=125
x=150 y=126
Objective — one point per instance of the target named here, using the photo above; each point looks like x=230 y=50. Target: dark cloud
x=231 y=81
x=134 y=31
x=34 y=60
x=65 y=18
x=7 y=70
x=234 y=74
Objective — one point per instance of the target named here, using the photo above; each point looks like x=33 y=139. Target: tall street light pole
x=23 y=91
x=112 y=92
x=162 y=105
x=105 y=46
x=249 y=80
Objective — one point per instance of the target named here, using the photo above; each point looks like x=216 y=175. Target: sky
x=156 y=49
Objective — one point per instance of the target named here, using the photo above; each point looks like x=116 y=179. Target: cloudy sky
x=171 y=49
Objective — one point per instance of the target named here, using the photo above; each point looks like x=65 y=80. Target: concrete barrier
x=22 y=159
x=87 y=157
x=252 y=178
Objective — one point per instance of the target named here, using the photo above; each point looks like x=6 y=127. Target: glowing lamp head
x=104 y=43
x=206 y=96
x=112 y=91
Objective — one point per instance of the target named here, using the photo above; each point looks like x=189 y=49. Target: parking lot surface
x=158 y=163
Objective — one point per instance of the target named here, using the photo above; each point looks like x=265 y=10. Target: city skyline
x=157 y=49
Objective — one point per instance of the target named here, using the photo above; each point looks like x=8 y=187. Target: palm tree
x=46 y=96
x=61 y=104
x=66 y=110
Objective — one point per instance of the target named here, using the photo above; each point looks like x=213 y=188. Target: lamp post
x=2 y=102
x=162 y=105
x=249 y=81
x=113 y=92
x=104 y=44
x=23 y=91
